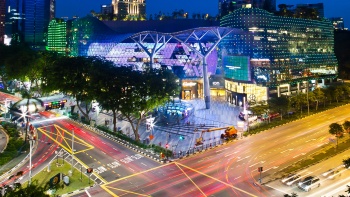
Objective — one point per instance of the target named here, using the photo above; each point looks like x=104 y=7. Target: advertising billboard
x=237 y=67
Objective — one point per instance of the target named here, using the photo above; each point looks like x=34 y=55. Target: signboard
x=237 y=67
x=55 y=180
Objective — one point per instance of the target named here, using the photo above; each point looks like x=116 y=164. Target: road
x=110 y=160
x=231 y=170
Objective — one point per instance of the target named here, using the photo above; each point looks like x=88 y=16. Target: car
x=291 y=179
x=333 y=174
x=308 y=183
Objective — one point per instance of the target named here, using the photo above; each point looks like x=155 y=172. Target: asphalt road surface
x=232 y=169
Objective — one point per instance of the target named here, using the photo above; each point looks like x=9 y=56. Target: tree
x=260 y=108
x=327 y=95
x=280 y=104
x=338 y=92
x=337 y=130
x=319 y=96
x=32 y=190
x=346 y=126
x=291 y=195
x=152 y=89
x=346 y=162
x=111 y=86
x=299 y=101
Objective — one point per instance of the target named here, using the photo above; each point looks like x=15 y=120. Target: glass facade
x=37 y=17
x=92 y=37
x=2 y=20
x=57 y=36
x=282 y=50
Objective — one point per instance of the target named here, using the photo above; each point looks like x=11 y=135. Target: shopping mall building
x=252 y=56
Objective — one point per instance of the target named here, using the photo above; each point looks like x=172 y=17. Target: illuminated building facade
x=57 y=36
x=266 y=56
x=228 y=6
x=2 y=20
x=338 y=22
x=37 y=18
x=279 y=55
x=129 y=9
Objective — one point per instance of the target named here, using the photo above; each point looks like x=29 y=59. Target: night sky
x=333 y=8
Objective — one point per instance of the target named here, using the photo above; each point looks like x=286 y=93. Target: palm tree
x=337 y=130
x=28 y=96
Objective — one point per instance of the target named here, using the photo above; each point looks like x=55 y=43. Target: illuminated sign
x=54 y=105
x=189 y=84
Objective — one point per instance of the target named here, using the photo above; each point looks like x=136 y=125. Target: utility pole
x=72 y=150
x=307 y=98
x=30 y=161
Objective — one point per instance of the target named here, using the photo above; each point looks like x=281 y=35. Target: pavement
x=168 y=128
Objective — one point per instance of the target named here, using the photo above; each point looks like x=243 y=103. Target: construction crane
x=230 y=132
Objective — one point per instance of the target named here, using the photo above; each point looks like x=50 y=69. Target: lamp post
x=31 y=140
x=72 y=149
x=30 y=162
x=307 y=97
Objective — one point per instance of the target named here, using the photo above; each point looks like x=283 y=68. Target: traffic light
x=89 y=170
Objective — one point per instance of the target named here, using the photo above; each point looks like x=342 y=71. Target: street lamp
x=307 y=97
x=72 y=149
x=31 y=140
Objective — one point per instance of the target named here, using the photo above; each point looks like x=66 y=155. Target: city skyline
x=211 y=7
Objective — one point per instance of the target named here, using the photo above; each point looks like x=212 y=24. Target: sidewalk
x=167 y=130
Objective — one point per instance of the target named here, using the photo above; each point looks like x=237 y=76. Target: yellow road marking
x=109 y=191
x=127 y=191
x=97 y=175
x=217 y=180
x=139 y=173
x=190 y=179
x=66 y=146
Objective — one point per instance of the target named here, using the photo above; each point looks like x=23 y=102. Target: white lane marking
x=277 y=189
x=237 y=177
x=230 y=154
x=132 y=169
x=253 y=165
x=143 y=164
x=87 y=193
x=244 y=158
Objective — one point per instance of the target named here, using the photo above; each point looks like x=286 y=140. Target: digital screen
x=237 y=67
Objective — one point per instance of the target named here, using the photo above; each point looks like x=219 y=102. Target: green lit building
x=57 y=36
x=277 y=55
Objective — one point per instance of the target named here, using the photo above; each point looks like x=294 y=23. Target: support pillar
x=298 y=87
x=278 y=91
x=206 y=87
x=289 y=93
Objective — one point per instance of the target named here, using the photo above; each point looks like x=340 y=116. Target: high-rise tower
x=129 y=9
x=228 y=6
x=2 y=20
x=37 y=18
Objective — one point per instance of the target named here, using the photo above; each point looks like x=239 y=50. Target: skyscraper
x=57 y=36
x=2 y=20
x=27 y=20
x=129 y=9
x=14 y=18
x=338 y=22
x=228 y=6
x=37 y=18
